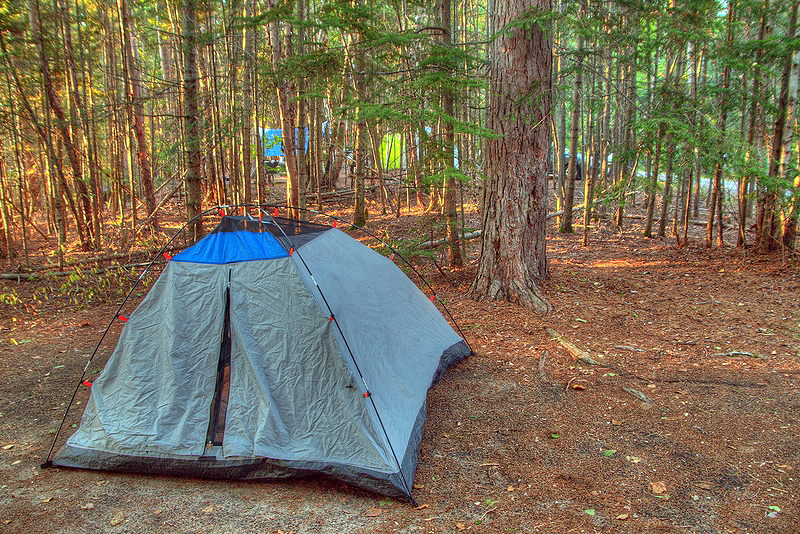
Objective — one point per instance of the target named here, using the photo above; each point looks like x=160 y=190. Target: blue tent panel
x=273 y=141
x=231 y=247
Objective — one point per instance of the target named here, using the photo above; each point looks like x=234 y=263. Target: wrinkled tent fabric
x=331 y=349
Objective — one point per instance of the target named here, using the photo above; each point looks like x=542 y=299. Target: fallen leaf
x=615 y=422
x=118 y=518
x=156 y=512
x=623 y=517
x=422 y=507
x=703 y=485
x=373 y=512
x=590 y=512
x=47 y=499
x=579 y=387
x=209 y=509
x=658 y=487
x=461 y=526
x=7 y=447
x=16 y=462
x=633 y=459
x=784 y=466
x=774 y=508
x=609 y=452
x=510 y=488
x=88 y=506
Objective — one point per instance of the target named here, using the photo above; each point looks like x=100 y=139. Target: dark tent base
x=252 y=469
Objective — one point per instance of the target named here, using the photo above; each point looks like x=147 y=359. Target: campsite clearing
x=667 y=402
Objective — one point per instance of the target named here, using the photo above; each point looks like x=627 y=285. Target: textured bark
x=77 y=104
x=191 y=118
x=513 y=260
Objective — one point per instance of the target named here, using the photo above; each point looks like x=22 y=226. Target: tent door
x=219 y=408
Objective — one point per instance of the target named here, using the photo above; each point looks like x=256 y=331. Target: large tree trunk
x=191 y=118
x=513 y=260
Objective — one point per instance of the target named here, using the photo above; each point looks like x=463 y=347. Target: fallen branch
x=542 y=360
x=572 y=349
x=36 y=276
x=437 y=242
x=626 y=347
x=638 y=394
x=734 y=354
x=560 y=213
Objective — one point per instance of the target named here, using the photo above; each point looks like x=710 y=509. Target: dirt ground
x=659 y=396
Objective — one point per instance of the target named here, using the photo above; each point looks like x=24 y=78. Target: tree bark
x=455 y=260
x=574 y=132
x=191 y=119
x=513 y=259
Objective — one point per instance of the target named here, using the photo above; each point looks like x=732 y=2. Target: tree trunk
x=191 y=119
x=137 y=108
x=286 y=105
x=455 y=260
x=573 y=164
x=767 y=238
x=513 y=260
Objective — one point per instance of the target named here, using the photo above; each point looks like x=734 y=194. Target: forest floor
x=682 y=416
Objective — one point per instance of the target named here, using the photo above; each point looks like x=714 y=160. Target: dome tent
x=268 y=350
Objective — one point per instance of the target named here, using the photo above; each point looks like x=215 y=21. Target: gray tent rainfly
x=268 y=350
